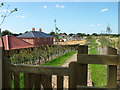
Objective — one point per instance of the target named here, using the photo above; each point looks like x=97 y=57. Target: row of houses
x=29 y=39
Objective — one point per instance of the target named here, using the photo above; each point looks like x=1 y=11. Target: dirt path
x=99 y=44
x=73 y=58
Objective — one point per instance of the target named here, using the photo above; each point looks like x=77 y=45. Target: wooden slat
x=112 y=71
x=60 y=82
x=16 y=80
x=26 y=81
x=37 y=82
x=98 y=59
x=32 y=80
x=46 y=81
x=29 y=80
x=82 y=68
x=73 y=75
x=50 y=70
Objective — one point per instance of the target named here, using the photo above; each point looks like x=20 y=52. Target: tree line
x=7 y=32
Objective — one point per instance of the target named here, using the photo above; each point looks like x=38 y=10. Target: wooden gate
x=36 y=75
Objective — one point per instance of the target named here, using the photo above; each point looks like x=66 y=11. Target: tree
x=71 y=34
x=65 y=33
x=7 y=13
x=52 y=33
x=6 y=32
x=108 y=29
x=94 y=34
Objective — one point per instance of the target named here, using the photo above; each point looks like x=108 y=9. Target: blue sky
x=71 y=17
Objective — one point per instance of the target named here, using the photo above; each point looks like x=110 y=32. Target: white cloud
x=104 y=10
x=59 y=6
x=4 y=10
x=45 y=6
x=21 y=16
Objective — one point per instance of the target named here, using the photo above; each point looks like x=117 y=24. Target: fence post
x=112 y=70
x=82 y=68
x=1 y=58
x=73 y=75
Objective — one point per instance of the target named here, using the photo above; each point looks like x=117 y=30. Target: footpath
x=66 y=64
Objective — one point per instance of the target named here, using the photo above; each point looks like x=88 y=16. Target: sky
x=71 y=17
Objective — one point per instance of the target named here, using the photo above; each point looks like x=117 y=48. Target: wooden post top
x=82 y=49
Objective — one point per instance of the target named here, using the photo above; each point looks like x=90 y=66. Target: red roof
x=12 y=42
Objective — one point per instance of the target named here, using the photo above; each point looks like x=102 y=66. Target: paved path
x=72 y=58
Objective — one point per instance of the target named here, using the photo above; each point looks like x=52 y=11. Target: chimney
x=40 y=30
x=33 y=29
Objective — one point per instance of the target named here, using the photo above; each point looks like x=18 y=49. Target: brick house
x=37 y=38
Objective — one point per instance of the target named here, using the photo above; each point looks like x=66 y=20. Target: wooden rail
x=37 y=69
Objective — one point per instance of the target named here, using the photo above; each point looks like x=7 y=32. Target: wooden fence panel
x=82 y=68
x=112 y=71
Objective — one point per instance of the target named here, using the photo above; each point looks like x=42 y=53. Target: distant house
x=12 y=42
x=64 y=37
x=37 y=38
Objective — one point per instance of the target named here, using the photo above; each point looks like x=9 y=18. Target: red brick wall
x=43 y=41
x=39 y=41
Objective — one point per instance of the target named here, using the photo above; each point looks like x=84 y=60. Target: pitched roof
x=12 y=42
x=34 y=34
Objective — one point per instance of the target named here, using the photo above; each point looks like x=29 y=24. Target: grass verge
x=60 y=60
x=98 y=72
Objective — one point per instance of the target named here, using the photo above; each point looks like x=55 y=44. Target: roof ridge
x=32 y=33
x=7 y=42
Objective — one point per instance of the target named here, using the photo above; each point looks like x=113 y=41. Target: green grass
x=105 y=42
x=21 y=81
x=60 y=60
x=99 y=75
x=98 y=72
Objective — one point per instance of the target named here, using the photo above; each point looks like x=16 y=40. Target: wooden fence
x=35 y=75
